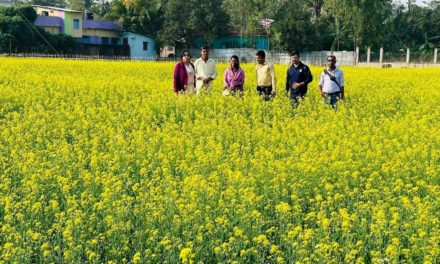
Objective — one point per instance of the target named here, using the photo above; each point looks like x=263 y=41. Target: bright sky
x=419 y=2
x=423 y=2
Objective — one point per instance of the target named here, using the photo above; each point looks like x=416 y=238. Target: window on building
x=75 y=23
x=145 y=45
x=125 y=41
x=90 y=16
x=45 y=13
x=115 y=41
x=105 y=40
x=85 y=39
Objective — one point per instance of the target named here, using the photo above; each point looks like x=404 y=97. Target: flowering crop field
x=101 y=163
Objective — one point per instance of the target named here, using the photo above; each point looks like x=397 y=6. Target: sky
x=419 y=2
x=422 y=2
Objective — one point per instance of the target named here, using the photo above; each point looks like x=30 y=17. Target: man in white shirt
x=331 y=83
x=205 y=70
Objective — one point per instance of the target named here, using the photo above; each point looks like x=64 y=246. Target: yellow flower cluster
x=101 y=163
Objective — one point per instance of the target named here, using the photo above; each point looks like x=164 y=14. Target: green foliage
x=17 y=33
x=184 y=21
x=62 y=43
x=245 y=15
x=293 y=27
x=299 y=25
x=143 y=17
x=57 y=3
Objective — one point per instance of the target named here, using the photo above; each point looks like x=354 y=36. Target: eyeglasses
x=331 y=60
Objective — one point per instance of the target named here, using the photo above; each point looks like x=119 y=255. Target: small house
x=141 y=47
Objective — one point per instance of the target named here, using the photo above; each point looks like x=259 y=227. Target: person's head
x=294 y=57
x=260 y=56
x=235 y=62
x=331 y=61
x=186 y=56
x=205 y=53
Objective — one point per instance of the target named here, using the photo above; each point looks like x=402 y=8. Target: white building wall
x=136 y=43
x=248 y=55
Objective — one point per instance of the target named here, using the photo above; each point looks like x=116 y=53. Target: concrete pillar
x=368 y=55
x=435 y=55
x=407 y=55
x=381 y=56
x=357 y=55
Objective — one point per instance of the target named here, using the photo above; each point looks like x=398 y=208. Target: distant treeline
x=304 y=25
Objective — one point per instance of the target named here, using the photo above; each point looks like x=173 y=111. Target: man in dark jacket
x=298 y=78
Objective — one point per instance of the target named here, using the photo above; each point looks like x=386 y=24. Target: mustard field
x=101 y=163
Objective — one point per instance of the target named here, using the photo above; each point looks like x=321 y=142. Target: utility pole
x=266 y=23
x=357 y=55
x=368 y=55
x=380 y=56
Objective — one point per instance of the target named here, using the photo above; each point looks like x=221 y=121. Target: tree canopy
x=299 y=24
x=17 y=34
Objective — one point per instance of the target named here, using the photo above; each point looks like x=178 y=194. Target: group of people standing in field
x=195 y=78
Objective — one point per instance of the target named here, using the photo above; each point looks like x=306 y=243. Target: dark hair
x=205 y=48
x=332 y=56
x=183 y=53
x=238 y=61
x=261 y=53
x=295 y=53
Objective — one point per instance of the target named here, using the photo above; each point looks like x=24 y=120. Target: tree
x=56 y=3
x=293 y=29
x=409 y=4
x=373 y=16
x=358 y=22
x=61 y=43
x=76 y=5
x=435 y=23
x=142 y=17
x=316 y=6
x=245 y=15
x=186 y=20
x=340 y=16
x=16 y=32
x=103 y=8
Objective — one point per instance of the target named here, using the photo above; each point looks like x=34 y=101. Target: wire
x=38 y=32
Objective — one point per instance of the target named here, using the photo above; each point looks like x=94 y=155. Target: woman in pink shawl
x=234 y=78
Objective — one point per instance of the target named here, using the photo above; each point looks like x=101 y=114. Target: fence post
x=357 y=55
x=380 y=56
x=435 y=55
x=407 y=55
x=368 y=55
